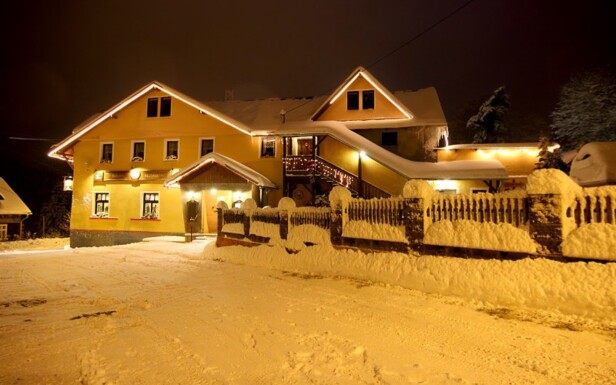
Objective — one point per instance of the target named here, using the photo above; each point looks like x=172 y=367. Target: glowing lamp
x=68 y=183
x=135 y=174
x=213 y=191
x=99 y=176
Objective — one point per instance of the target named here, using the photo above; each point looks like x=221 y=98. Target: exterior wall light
x=68 y=183
x=135 y=174
x=99 y=175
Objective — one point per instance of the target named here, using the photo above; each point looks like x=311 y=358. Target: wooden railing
x=480 y=208
x=320 y=217
x=596 y=208
x=384 y=211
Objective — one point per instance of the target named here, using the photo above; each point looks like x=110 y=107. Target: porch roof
x=232 y=165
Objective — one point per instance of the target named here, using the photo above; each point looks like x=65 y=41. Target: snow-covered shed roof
x=230 y=164
x=595 y=164
x=10 y=203
x=85 y=127
x=461 y=169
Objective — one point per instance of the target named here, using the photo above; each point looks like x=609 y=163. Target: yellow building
x=159 y=161
x=519 y=160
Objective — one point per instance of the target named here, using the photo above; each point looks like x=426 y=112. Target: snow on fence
x=494 y=208
x=552 y=218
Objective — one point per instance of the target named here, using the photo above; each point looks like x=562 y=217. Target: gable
x=62 y=150
x=361 y=97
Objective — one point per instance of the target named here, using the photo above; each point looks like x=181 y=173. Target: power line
x=417 y=36
x=33 y=139
x=420 y=34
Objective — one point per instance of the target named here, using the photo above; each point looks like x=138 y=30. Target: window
x=268 y=148
x=389 y=139
x=106 y=152
x=101 y=204
x=138 y=154
x=479 y=190
x=207 y=146
x=353 y=100
x=172 y=149
x=152 y=107
x=367 y=102
x=149 y=205
x=165 y=106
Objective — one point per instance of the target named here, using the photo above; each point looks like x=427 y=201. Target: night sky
x=66 y=60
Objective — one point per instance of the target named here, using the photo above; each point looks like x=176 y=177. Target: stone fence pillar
x=417 y=197
x=284 y=224
x=549 y=193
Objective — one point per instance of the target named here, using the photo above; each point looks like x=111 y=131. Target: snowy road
x=145 y=314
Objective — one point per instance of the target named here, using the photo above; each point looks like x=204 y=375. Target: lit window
x=389 y=139
x=150 y=205
x=353 y=100
x=367 y=100
x=172 y=149
x=165 y=106
x=138 y=152
x=207 y=146
x=101 y=204
x=268 y=148
x=152 y=107
x=106 y=153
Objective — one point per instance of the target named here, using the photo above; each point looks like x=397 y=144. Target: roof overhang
x=232 y=165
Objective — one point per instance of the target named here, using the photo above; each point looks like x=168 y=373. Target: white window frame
x=201 y=144
x=142 y=204
x=165 y=155
x=132 y=150
x=262 y=143
x=476 y=190
x=94 y=213
x=100 y=152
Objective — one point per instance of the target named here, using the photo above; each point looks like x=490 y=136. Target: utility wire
x=33 y=139
x=417 y=36
x=420 y=34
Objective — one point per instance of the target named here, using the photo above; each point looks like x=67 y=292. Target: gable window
x=138 y=154
x=152 y=107
x=165 y=106
x=367 y=102
x=207 y=146
x=172 y=149
x=150 y=205
x=268 y=148
x=389 y=139
x=101 y=204
x=353 y=100
x=106 y=153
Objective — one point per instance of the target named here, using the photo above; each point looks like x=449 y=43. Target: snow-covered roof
x=595 y=164
x=10 y=203
x=461 y=169
x=234 y=166
x=85 y=127
x=490 y=146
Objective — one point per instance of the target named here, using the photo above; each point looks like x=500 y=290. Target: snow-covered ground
x=173 y=313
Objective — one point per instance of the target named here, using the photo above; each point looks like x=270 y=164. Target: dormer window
x=367 y=102
x=353 y=100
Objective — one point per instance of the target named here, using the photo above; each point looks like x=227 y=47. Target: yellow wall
x=383 y=108
x=185 y=124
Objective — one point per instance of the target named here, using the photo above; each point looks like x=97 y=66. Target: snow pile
x=300 y=235
x=480 y=235
x=263 y=229
x=35 y=244
x=594 y=240
x=417 y=188
x=551 y=181
x=585 y=289
x=249 y=204
x=234 y=228
x=378 y=231
x=286 y=203
x=339 y=195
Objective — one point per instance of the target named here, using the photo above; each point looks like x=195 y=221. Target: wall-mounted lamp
x=135 y=174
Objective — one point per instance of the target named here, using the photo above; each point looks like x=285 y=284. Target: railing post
x=246 y=222
x=335 y=229
x=220 y=221
x=284 y=223
x=417 y=197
